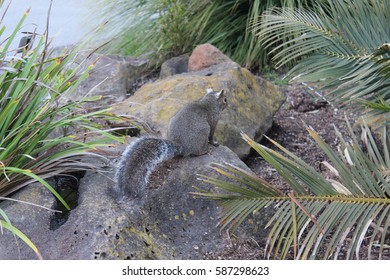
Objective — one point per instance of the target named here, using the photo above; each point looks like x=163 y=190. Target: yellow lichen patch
x=148 y=247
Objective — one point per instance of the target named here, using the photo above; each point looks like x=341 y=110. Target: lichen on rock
x=252 y=102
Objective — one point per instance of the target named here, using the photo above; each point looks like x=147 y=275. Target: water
x=67 y=20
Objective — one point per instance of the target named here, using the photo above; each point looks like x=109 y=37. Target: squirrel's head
x=220 y=96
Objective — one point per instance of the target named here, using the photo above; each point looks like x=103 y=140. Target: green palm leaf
x=320 y=217
x=343 y=46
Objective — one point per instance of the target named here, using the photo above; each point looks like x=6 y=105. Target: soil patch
x=302 y=109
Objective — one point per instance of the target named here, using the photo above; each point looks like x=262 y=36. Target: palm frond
x=321 y=217
x=343 y=46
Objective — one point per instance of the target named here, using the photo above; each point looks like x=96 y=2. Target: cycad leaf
x=313 y=224
x=344 y=46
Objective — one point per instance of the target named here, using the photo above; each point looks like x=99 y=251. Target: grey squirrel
x=189 y=132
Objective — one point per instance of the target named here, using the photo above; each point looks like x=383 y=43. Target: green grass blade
x=28 y=173
x=22 y=236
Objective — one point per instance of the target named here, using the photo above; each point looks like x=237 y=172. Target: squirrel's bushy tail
x=139 y=160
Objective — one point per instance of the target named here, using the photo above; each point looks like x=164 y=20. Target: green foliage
x=275 y=77
x=224 y=24
x=343 y=46
x=173 y=27
x=130 y=25
x=34 y=109
x=16 y=232
x=321 y=217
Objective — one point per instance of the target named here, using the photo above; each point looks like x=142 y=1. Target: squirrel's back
x=194 y=141
x=193 y=126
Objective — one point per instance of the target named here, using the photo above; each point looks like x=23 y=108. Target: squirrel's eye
x=225 y=100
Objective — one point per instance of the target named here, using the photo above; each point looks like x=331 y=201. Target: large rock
x=167 y=223
x=252 y=102
x=111 y=76
x=32 y=220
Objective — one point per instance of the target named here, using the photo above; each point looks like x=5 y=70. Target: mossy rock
x=252 y=102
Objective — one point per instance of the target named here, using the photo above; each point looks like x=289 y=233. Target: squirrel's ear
x=220 y=93
x=209 y=90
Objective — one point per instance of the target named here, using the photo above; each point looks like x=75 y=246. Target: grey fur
x=194 y=125
x=140 y=159
x=189 y=133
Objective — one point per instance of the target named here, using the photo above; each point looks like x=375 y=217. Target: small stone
x=204 y=56
x=174 y=66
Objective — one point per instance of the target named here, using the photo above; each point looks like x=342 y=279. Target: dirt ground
x=302 y=109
